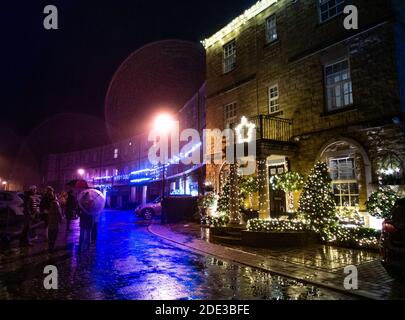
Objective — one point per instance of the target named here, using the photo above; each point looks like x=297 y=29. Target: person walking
x=86 y=227
x=45 y=206
x=54 y=219
x=70 y=209
x=31 y=210
x=62 y=198
x=94 y=230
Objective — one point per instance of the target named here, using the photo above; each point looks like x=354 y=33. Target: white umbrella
x=91 y=201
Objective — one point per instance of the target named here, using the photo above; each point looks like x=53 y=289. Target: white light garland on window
x=238 y=22
x=390 y=171
x=240 y=129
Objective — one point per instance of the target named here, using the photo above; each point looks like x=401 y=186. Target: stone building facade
x=315 y=91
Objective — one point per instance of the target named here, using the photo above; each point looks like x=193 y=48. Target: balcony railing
x=273 y=128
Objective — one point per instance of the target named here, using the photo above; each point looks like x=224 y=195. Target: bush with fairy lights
x=216 y=222
x=289 y=181
x=317 y=201
x=224 y=199
x=318 y=214
x=246 y=187
x=381 y=203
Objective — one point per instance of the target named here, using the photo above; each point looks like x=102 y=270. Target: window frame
x=228 y=121
x=341 y=83
x=229 y=60
x=329 y=17
x=272 y=99
x=268 y=40
x=349 y=181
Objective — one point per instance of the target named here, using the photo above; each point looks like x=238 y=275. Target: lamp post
x=4 y=183
x=163 y=124
x=81 y=173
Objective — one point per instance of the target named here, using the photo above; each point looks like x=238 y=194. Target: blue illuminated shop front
x=145 y=185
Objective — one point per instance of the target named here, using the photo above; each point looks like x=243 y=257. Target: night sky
x=46 y=73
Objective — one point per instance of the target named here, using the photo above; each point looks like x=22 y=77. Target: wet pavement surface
x=131 y=263
x=320 y=265
x=318 y=256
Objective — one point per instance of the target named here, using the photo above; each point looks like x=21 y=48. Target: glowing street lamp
x=81 y=172
x=163 y=124
x=4 y=183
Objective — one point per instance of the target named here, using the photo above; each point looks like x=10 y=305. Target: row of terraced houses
x=314 y=90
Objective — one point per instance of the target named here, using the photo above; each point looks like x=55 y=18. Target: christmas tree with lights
x=224 y=200
x=317 y=201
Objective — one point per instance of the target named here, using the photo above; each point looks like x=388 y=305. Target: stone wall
x=296 y=63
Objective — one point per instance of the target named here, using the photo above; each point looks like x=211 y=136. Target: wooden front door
x=277 y=197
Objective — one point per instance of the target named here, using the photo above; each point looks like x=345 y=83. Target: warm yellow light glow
x=164 y=123
x=4 y=182
x=238 y=22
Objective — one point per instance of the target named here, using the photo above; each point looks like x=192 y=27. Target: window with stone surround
x=271 y=29
x=329 y=9
x=229 y=56
x=339 y=92
x=344 y=182
x=274 y=105
x=230 y=114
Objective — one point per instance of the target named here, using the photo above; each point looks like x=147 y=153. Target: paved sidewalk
x=317 y=265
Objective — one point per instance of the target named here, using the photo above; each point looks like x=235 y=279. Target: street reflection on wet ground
x=131 y=263
x=322 y=257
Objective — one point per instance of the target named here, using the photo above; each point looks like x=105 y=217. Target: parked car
x=392 y=244
x=11 y=206
x=150 y=210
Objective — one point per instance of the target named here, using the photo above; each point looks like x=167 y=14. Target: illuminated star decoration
x=242 y=128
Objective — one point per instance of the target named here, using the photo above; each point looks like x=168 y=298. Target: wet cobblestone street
x=131 y=263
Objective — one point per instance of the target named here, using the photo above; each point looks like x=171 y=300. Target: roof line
x=239 y=21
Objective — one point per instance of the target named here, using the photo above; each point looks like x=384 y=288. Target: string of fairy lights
x=317 y=209
x=262 y=180
x=238 y=22
x=278 y=225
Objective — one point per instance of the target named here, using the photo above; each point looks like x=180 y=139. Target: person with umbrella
x=79 y=184
x=91 y=203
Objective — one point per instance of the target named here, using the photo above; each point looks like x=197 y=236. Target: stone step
x=227 y=239
x=234 y=232
x=228 y=231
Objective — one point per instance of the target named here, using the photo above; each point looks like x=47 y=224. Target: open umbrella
x=79 y=184
x=91 y=201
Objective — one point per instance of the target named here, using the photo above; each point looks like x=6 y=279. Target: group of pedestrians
x=51 y=210
x=34 y=209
